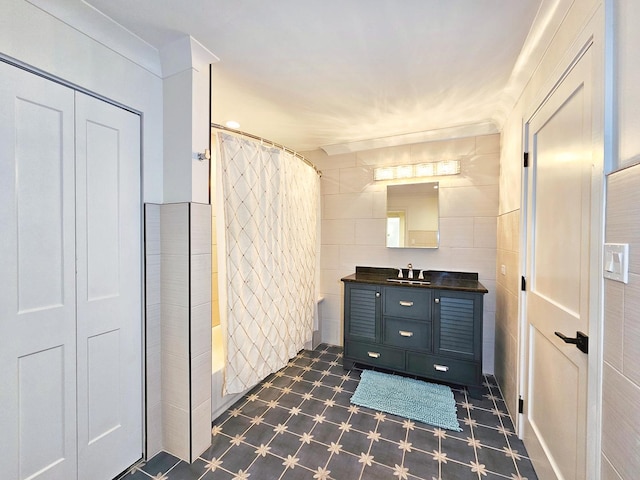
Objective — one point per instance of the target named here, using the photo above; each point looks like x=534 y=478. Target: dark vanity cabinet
x=432 y=329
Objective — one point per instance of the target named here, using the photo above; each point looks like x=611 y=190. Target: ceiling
x=322 y=73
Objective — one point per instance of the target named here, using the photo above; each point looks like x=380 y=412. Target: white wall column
x=185 y=69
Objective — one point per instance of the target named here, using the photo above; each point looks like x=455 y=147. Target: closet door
x=109 y=291
x=37 y=278
x=70 y=283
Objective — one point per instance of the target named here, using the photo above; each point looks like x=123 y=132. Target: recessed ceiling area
x=318 y=73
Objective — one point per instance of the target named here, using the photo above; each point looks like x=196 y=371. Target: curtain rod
x=268 y=142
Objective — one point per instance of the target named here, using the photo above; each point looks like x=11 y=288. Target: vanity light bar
x=432 y=169
x=448 y=167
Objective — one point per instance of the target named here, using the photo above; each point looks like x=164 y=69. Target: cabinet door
x=362 y=312
x=458 y=324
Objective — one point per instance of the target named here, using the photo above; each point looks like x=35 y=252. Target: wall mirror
x=412 y=215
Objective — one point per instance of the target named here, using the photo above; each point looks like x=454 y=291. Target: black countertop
x=460 y=281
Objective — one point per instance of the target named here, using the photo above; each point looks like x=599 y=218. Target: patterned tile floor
x=298 y=424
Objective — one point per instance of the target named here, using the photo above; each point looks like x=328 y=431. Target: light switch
x=616 y=261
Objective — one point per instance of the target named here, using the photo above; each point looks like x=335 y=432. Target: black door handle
x=581 y=341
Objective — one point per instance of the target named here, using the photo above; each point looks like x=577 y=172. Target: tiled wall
x=621 y=371
x=507 y=298
x=153 y=394
x=178 y=288
x=354 y=221
x=200 y=327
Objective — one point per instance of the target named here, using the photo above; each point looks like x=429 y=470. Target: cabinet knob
x=377 y=294
x=437 y=300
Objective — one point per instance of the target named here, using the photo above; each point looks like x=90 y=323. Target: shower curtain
x=270 y=205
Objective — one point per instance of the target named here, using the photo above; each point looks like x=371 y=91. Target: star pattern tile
x=299 y=424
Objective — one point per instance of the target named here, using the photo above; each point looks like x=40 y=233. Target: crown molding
x=96 y=25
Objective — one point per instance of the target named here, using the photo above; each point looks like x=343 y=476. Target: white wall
x=621 y=375
x=39 y=40
x=625 y=18
x=569 y=19
x=103 y=58
x=185 y=68
x=99 y=56
x=354 y=221
x=621 y=382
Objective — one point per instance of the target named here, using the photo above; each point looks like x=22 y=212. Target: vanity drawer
x=407 y=302
x=374 y=354
x=407 y=333
x=444 y=369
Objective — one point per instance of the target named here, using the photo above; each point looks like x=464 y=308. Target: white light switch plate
x=616 y=261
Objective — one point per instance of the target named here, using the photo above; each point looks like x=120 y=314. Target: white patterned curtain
x=270 y=207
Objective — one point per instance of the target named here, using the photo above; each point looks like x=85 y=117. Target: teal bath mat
x=426 y=402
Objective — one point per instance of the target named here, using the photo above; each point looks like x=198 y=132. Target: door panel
x=558 y=170
x=109 y=288
x=41 y=412
x=102 y=207
x=39 y=205
x=37 y=274
x=558 y=246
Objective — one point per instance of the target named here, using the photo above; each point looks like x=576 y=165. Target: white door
x=37 y=278
x=109 y=310
x=558 y=289
x=56 y=352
